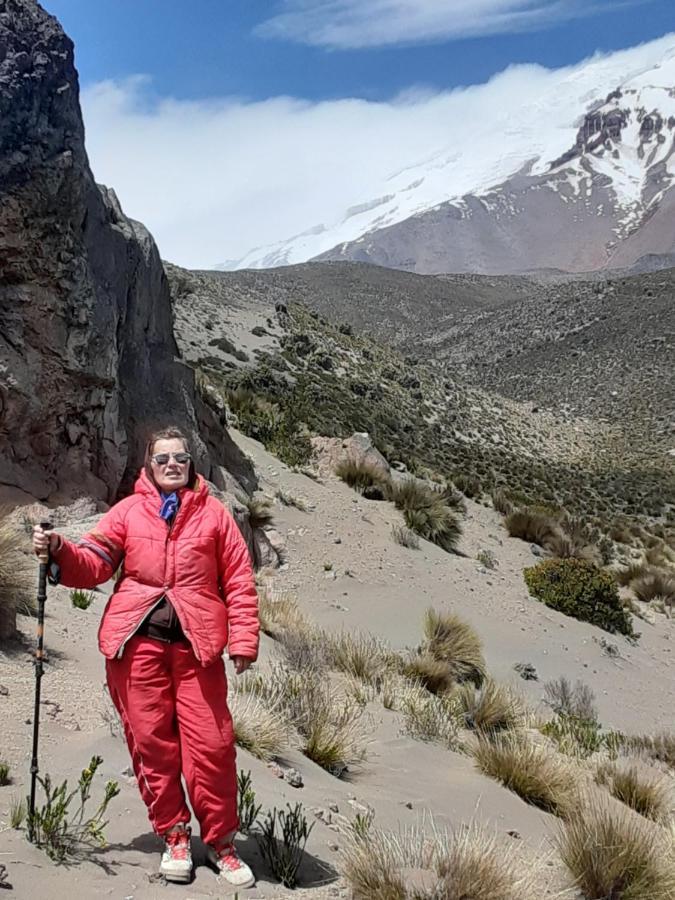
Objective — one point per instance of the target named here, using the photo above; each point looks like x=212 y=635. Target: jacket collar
x=188 y=495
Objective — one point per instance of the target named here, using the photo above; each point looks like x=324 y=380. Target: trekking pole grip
x=44 y=556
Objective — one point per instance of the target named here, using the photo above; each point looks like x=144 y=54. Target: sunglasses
x=161 y=459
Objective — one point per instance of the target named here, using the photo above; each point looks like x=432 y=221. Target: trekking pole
x=39 y=658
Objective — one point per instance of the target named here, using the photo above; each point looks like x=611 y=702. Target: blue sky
x=241 y=123
x=224 y=46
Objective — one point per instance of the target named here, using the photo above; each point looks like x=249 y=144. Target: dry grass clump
x=365 y=477
x=358 y=655
x=405 y=537
x=279 y=613
x=647 y=795
x=428 y=717
x=259 y=511
x=435 y=675
x=453 y=641
x=331 y=727
x=495 y=707
x=563 y=536
x=17 y=577
x=654 y=584
x=260 y=725
x=576 y=701
x=538 y=775
x=659 y=747
x=531 y=525
x=612 y=853
x=462 y=865
x=427 y=513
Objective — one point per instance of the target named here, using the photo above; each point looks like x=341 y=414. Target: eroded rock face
x=87 y=353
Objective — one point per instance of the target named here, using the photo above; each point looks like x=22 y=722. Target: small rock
x=4 y=691
x=514 y=834
x=275 y=769
x=127 y=772
x=333 y=807
x=294 y=778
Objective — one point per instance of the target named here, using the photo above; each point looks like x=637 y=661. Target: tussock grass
x=453 y=641
x=494 y=708
x=427 y=513
x=405 y=537
x=427 y=717
x=436 y=675
x=358 y=655
x=624 y=576
x=531 y=525
x=260 y=511
x=463 y=865
x=612 y=853
x=654 y=584
x=260 y=725
x=647 y=795
x=538 y=775
x=659 y=747
x=17 y=577
x=332 y=729
x=279 y=613
x=365 y=477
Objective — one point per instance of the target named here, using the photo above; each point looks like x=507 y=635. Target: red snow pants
x=177 y=723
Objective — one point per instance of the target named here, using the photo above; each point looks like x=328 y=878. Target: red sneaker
x=232 y=867
x=176 y=862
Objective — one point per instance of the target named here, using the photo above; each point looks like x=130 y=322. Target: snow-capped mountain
x=578 y=180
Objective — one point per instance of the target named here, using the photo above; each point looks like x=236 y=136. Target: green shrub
x=283 y=852
x=247 y=808
x=579 y=589
x=82 y=599
x=60 y=831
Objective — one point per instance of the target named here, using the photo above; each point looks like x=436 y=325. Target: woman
x=184 y=591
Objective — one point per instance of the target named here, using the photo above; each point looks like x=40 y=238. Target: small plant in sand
x=287 y=499
x=467 y=863
x=612 y=853
x=453 y=641
x=538 y=775
x=487 y=559
x=247 y=808
x=405 y=537
x=282 y=839
x=260 y=725
x=62 y=831
x=4 y=774
x=648 y=795
x=82 y=599
x=579 y=589
x=17 y=812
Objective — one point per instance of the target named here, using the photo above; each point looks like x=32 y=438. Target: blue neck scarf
x=170 y=504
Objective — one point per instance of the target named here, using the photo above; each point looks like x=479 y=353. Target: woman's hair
x=168 y=434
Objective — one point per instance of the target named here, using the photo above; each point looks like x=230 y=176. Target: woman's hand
x=44 y=541
x=241 y=664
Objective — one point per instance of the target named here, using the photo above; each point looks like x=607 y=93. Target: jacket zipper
x=155 y=605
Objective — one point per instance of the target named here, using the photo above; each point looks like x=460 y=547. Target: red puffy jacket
x=200 y=562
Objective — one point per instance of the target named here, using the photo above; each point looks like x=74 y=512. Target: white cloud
x=343 y=24
x=213 y=179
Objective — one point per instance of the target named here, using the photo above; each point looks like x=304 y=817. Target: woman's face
x=171 y=475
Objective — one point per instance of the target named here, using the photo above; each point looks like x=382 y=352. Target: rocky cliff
x=87 y=352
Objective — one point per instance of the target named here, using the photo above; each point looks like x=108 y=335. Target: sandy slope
x=377 y=586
